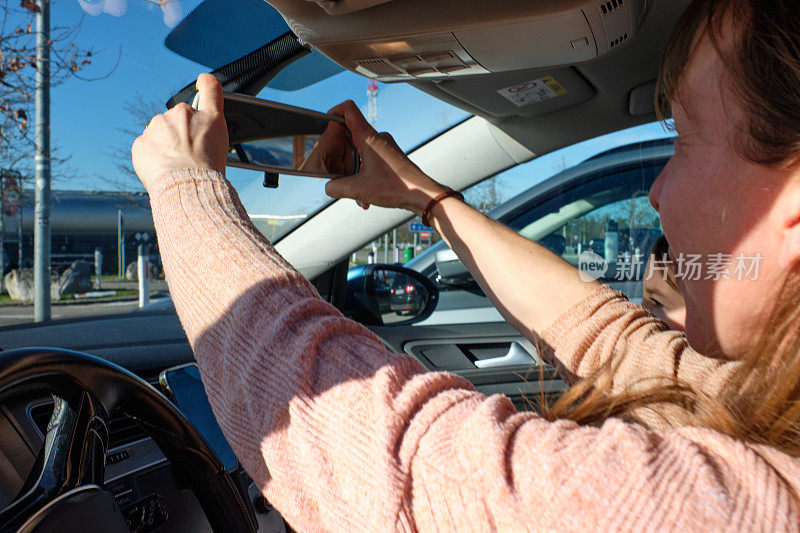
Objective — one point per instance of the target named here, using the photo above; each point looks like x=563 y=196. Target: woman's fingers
x=359 y=128
x=184 y=137
x=385 y=168
x=209 y=92
x=388 y=137
x=344 y=187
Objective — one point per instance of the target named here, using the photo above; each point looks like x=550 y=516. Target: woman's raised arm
x=527 y=283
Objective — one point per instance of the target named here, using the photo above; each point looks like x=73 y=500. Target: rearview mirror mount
x=453 y=273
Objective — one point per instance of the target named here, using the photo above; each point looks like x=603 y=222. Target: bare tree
x=18 y=78
x=484 y=196
x=141 y=110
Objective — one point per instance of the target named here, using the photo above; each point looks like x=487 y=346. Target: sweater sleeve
x=341 y=434
x=607 y=329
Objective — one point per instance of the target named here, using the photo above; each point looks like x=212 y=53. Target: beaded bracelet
x=432 y=203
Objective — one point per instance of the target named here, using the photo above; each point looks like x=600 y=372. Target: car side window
x=619 y=235
x=604 y=210
x=597 y=209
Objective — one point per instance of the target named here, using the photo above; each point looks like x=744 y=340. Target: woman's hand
x=387 y=177
x=333 y=154
x=183 y=137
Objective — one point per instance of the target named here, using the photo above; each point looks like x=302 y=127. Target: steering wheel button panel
x=113 y=458
x=146 y=514
x=118 y=487
x=123 y=500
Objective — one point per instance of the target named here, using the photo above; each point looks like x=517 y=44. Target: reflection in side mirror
x=407 y=296
x=383 y=295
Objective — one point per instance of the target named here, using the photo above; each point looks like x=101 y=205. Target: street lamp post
x=41 y=230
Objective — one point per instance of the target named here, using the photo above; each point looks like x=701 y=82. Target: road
x=13 y=314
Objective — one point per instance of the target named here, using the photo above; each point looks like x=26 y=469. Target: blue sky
x=87 y=116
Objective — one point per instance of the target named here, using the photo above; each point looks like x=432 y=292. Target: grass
x=114 y=278
x=120 y=293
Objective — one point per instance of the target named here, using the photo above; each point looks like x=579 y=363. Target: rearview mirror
x=278 y=138
x=384 y=295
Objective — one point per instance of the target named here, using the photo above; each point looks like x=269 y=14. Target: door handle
x=517 y=355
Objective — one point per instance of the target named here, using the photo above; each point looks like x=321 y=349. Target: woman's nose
x=655 y=189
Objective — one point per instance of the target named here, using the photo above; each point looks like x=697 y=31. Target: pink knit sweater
x=342 y=434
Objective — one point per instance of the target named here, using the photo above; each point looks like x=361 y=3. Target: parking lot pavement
x=12 y=314
x=15 y=315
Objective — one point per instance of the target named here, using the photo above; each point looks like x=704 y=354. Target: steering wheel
x=68 y=493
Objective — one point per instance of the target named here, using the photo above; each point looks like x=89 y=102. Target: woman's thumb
x=344 y=187
x=209 y=91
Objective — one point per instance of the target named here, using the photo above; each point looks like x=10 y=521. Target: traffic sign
x=424 y=234
x=419 y=227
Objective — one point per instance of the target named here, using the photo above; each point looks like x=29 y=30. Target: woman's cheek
x=676 y=318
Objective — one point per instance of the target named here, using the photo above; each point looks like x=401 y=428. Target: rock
x=19 y=284
x=77 y=278
x=132 y=271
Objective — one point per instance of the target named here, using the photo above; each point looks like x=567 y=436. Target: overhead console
x=415 y=40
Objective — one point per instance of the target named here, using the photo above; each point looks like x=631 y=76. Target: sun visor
x=527 y=93
x=218 y=32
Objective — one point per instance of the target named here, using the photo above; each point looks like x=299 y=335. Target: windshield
x=115 y=63
x=409 y=114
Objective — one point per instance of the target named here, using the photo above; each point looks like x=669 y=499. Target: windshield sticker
x=534 y=91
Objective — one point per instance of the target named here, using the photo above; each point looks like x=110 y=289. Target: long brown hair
x=760 y=402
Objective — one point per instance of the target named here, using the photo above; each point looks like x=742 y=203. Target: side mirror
x=386 y=295
x=452 y=272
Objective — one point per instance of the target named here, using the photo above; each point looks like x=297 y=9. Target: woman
x=660 y=293
x=340 y=433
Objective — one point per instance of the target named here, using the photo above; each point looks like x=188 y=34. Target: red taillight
x=410 y=288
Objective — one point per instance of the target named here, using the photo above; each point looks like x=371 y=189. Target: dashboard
x=151 y=496
x=147 y=343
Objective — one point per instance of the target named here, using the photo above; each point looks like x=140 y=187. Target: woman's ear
x=791 y=245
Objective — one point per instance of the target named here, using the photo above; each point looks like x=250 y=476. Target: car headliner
x=612 y=77
x=476 y=150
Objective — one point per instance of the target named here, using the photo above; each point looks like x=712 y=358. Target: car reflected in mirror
x=385 y=295
x=407 y=296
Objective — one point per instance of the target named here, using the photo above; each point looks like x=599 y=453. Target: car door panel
x=493 y=356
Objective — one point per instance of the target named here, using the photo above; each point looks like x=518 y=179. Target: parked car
x=406 y=299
